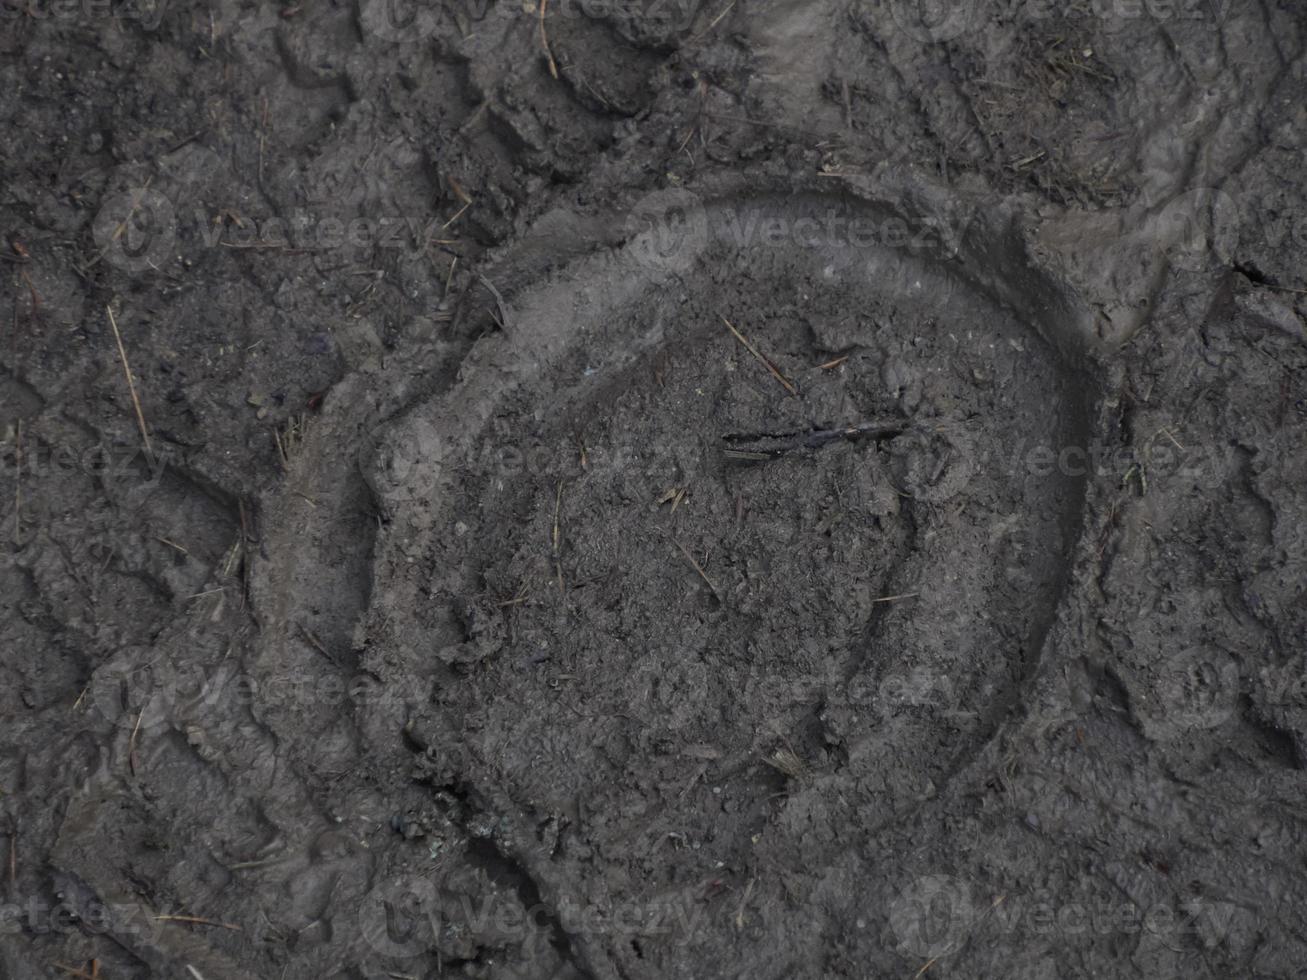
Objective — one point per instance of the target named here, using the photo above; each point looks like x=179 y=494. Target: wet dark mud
x=652 y=490
x=634 y=609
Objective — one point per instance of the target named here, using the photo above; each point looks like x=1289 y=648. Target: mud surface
x=653 y=490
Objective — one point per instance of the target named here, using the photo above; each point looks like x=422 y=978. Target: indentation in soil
x=716 y=609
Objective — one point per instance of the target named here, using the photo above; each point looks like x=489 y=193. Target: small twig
x=1026 y=161
x=1171 y=437
x=756 y=353
x=458 y=190
x=557 y=538
x=18 y=481
x=764 y=445
x=245 y=550
x=499 y=301
x=952 y=947
x=281 y=449
x=544 y=39
x=896 y=598
x=770 y=125
x=739 y=912
x=36 y=297
x=471 y=120
x=558 y=503
x=263 y=137
x=263 y=863
x=73 y=971
x=196 y=920
x=122 y=225
x=226 y=565
x=314 y=642
x=457 y=214
x=131 y=385
x=131 y=743
x=715 y=21
x=450 y=278
x=702 y=574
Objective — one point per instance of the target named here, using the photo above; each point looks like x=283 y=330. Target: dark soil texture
x=639 y=488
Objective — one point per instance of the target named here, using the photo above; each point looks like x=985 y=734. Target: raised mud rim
x=535 y=328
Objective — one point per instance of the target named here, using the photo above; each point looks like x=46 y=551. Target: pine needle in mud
x=196 y=920
x=776 y=373
x=702 y=574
